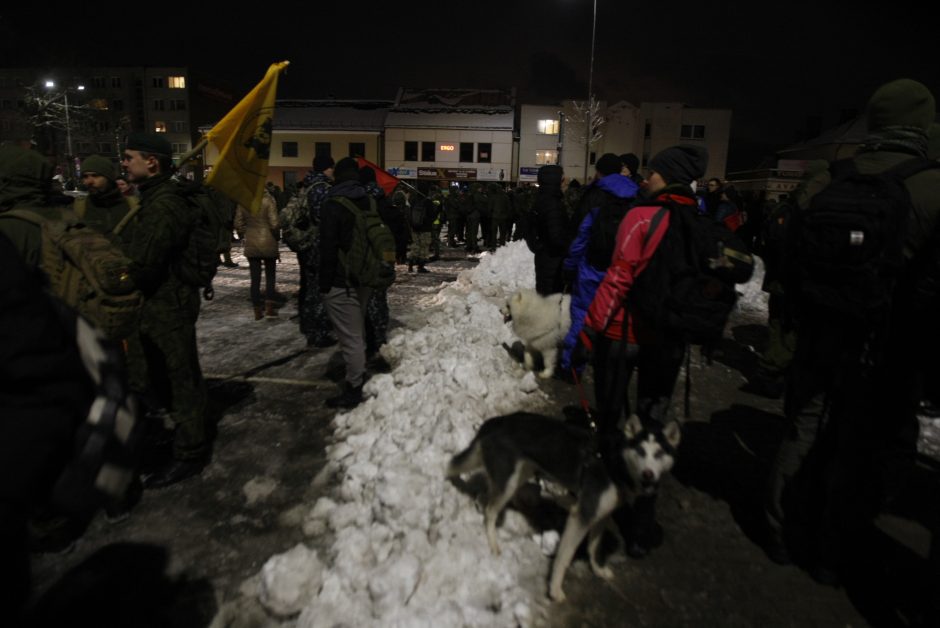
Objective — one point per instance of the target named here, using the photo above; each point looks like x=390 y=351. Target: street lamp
x=68 y=127
x=590 y=110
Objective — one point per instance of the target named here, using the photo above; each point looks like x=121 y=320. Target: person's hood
x=619 y=185
x=550 y=176
x=349 y=189
x=25 y=177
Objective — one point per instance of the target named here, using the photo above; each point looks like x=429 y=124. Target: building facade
x=452 y=135
x=70 y=113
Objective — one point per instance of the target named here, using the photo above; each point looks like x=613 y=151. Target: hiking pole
x=584 y=402
x=688 y=380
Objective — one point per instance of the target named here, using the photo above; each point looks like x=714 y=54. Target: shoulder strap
x=134 y=204
x=654 y=224
x=25 y=214
x=80 y=206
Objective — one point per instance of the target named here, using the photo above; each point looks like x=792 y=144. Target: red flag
x=386 y=181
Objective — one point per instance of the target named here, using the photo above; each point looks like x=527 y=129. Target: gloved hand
x=584 y=347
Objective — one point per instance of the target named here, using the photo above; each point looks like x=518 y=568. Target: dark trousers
x=254 y=270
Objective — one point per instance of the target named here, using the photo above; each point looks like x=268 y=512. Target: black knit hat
x=347 y=169
x=151 y=143
x=322 y=162
x=631 y=161
x=680 y=164
x=609 y=163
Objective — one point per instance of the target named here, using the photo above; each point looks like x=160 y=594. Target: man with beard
x=105 y=206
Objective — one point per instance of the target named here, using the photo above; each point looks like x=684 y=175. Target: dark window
x=322 y=148
x=692 y=132
x=411 y=151
x=158 y=81
x=104 y=148
x=177 y=105
x=98 y=81
x=646 y=130
x=290 y=178
x=593 y=158
x=288 y=149
x=115 y=81
x=427 y=151
x=159 y=105
x=357 y=149
x=117 y=105
x=466 y=152
x=484 y=153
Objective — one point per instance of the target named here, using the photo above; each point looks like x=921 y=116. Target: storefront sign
x=451 y=174
x=404 y=173
x=528 y=173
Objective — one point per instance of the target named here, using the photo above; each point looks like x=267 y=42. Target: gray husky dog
x=512 y=449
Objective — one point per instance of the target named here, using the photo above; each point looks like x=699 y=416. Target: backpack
x=297 y=228
x=687 y=290
x=603 y=238
x=848 y=244
x=370 y=260
x=211 y=237
x=88 y=271
x=417 y=214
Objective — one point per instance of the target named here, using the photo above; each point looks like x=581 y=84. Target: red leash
x=584 y=402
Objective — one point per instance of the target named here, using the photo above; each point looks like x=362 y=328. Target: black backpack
x=603 y=238
x=848 y=245
x=211 y=236
x=688 y=288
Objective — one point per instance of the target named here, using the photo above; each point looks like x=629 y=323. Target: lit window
x=159 y=127
x=177 y=82
x=548 y=127
x=546 y=157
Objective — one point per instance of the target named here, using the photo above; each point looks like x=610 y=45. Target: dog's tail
x=468 y=460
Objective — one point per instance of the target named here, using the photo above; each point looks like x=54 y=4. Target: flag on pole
x=386 y=181
x=243 y=138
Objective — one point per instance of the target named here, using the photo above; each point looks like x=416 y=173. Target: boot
x=259 y=312
x=411 y=266
x=422 y=269
x=349 y=397
x=270 y=309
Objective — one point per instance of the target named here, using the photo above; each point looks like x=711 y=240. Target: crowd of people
x=851 y=386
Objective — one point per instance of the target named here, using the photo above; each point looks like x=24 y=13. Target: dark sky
x=773 y=64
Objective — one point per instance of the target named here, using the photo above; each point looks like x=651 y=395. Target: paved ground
x=185 y=551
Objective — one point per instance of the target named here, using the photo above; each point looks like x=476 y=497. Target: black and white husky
x=512 y=449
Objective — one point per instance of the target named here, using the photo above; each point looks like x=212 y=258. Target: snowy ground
x=408 y=548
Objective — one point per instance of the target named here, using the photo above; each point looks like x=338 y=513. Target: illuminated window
x=177 y=82
x=159 y=127
x=546 y=157
x=548 y=127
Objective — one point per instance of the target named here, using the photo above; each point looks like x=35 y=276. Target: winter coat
x=587 y=276
x=336 y=231
x=551 y=240
x=258 y=229
x=633 y=251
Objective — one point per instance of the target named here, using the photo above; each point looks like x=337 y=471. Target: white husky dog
x=541 y=323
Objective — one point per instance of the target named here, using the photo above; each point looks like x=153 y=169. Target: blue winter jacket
x=588 y=278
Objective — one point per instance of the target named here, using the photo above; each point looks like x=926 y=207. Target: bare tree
x=589 y=110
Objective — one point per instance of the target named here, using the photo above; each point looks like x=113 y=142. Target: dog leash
x=584 y=402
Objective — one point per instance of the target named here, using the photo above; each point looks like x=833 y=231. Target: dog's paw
x=557 y=595
x=546 y=374
x=602 y=572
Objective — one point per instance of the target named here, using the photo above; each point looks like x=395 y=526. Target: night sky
x=774 y=64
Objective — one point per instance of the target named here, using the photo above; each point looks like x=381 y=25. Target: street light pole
x=68 y=124
x=588 y=132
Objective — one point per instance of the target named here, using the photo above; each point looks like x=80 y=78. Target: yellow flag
x=243 y=138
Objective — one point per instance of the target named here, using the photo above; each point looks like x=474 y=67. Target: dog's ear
x=672 y=432
x=633 y=427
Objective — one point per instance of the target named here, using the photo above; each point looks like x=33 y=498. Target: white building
x=454 y=135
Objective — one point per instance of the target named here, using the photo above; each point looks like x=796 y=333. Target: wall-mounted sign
x=447 y=147
x=452 y=174
x=404 y=173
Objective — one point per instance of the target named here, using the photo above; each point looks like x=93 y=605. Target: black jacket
x=336 y=230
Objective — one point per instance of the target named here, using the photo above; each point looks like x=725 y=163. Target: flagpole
x=192 y=154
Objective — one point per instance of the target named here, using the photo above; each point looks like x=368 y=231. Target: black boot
x=422 y=269
x=175 y=470
x=349 y=397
